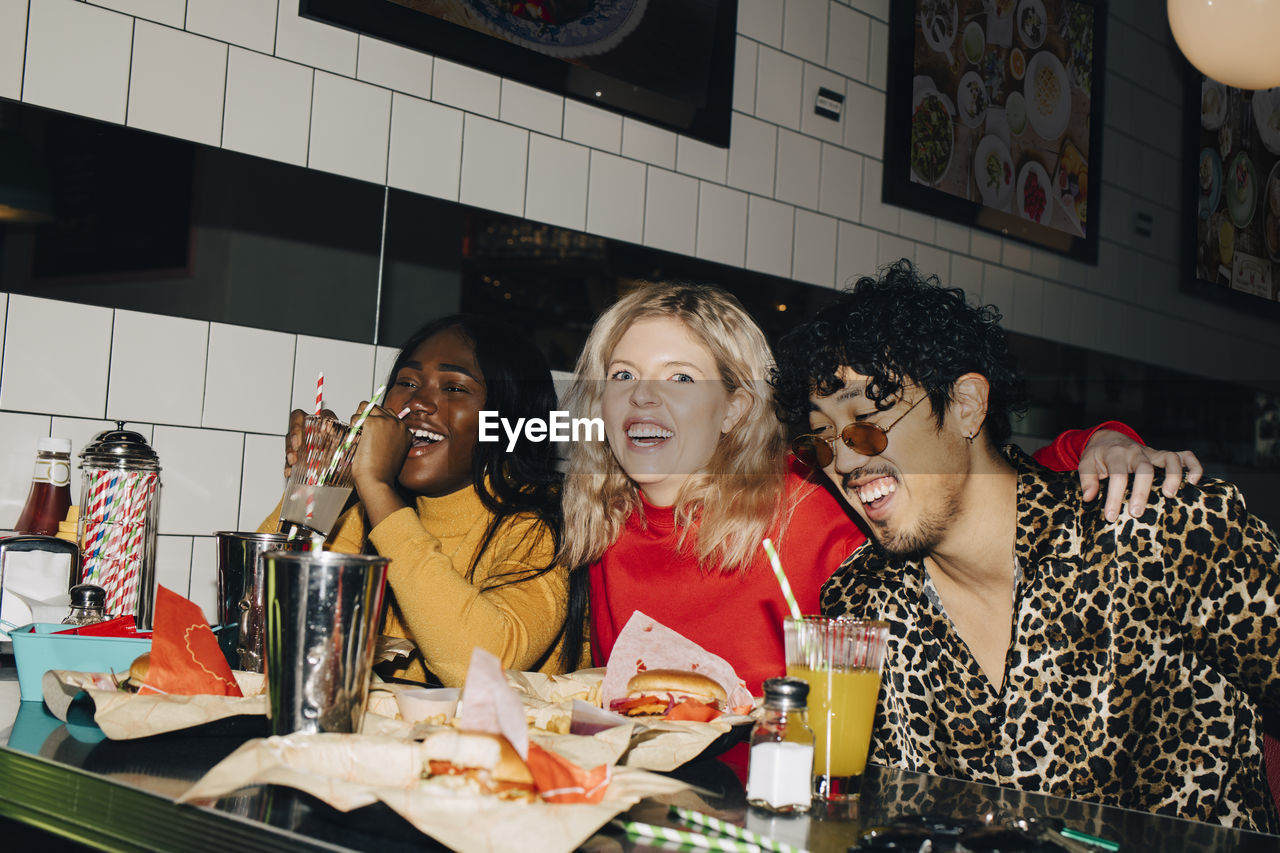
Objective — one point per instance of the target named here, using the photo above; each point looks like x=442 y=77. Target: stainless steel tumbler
x=322 y=619
x=241 y=592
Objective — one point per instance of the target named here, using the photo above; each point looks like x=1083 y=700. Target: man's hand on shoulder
x=1114 y=456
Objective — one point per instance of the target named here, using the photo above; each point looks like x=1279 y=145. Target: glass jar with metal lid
x=119 y=509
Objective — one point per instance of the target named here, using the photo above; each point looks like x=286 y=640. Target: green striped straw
x=351 y=436
x=782 y=579
x=733 y=830
x=684 y=839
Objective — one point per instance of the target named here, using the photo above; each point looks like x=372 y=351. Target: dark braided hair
x=897 y=329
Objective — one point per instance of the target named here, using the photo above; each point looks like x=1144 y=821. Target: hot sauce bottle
x=50 y=495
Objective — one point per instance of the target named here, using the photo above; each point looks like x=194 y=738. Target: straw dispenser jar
x=119 y=508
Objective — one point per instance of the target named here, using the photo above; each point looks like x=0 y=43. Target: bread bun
x=680 y=683
x=138 y=672
x=477 y=763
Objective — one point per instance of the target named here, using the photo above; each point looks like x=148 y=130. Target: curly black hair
x=899 y=328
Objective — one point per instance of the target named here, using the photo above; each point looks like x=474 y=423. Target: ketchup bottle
x=50 y=495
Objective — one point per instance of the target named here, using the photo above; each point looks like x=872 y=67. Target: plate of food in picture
x=999 y=8
x=938 y=22
x=993 y=172
x=1047 y=91
x=971 y=98
x=1031 y=197
x=1271 y=222
x=1071 y=184
x=932 y=136
x=1213 y=104
x=1210 y=181
x=1240 y=189
x=1032 y=23
x=1266 y=117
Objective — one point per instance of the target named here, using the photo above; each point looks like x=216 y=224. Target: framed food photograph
x=1232 y=193
x=667 y=62
x=994 y=116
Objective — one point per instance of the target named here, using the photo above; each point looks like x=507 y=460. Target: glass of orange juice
x=841 y=660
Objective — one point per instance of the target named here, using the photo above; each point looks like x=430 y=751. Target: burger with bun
x=460 y=763
x=674 y=694
x=138 y=671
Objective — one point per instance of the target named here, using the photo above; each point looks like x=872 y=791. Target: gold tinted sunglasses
x=861 y=437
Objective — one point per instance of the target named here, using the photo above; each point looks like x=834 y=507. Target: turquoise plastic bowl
x=38 y=649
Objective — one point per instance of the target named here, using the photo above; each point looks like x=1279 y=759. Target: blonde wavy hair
x=737 y=497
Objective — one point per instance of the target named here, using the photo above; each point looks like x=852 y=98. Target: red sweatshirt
x=735 y=614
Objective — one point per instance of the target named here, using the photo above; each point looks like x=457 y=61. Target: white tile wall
x=815 y=248
x=176 y=84
x=348 y=376
x=173 y=565
x=655 y=145
x=144 y=387
x=200 y=479
x=532 y=108
x=708 y=162
x=591 y=126
x=204 y=574
x=385 y=64
x=557 y=187
x=78 y=59
x=249 y=378
x=167 y=12
x=799 y=163
x=745 y=55
x=18 y=436
x=615 y=197
x=840 y=189
x=268 y=112
x=848 y=42
x=855 y=252
x=753 y=153
x=82 y=431
x=13 y=41
x=770 y=231
x=466 y=88
x=671 y=211
x=41 y=372
x=426 y=147
x=804 y=29
x=247 y=23
x=263 y=482
x=314 y=44
x=494 y=157
x=761 y=20
x=350 y=123
x=779 y=81
x=722 y=224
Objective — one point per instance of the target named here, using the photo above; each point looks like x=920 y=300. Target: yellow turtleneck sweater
x=432 y=602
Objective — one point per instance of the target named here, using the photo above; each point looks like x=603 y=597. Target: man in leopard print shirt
x=1035 y=644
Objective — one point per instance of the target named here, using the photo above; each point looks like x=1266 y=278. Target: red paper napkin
x=559 y=780
x=185 y=658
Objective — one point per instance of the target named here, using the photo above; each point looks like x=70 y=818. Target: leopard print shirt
x=1145 y=653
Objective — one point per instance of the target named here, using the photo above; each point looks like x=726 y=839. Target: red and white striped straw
x=320 y=393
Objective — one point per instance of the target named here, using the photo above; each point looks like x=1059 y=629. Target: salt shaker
x=780 y=775
x=88 y=605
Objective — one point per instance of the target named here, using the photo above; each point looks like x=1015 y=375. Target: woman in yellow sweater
x=471 y=529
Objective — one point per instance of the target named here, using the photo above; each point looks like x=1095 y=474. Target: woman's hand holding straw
x=351 y=436
x=782 y=579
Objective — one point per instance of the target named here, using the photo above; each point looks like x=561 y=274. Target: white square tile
x=643 y=141
x=874 y=210
x=722 y=224
x=39 y=384
x=855 y=253
x=814 y=256
x=697 y=158
x=761 y=20
x=804 y=29
x=384 y=360
x=18 y=437
x=314 y=43
x=535 y=109
x=753 y=155
x=204 y=574
x=952 y=236
x=466 y=88
x=1087 y=311
x=426 y=147
x=799 y=164
x=167 y=12
x=137 y=375
x=876 y=8
x=864 y=119
x=176 y=84
x=13 y=47
x=826 y=129
x=494 y=157
x=770 y=231
x=966 y=274
x=985 y=245
x=848 y=42
x=1046 y=264
x=931 y=260
x=262 y=480
x=997 y=288
x=745 y=54
x=592 y=126
x=840 y=187
x=247 y=23
x=615 y=197
x=671 y=211
x=890 y=248
x=200 y=479
x=250 y=379
x=173 y=566
x=779 y=86
x=917 y=226
x=347 y=367
x=268 y=110
x=557 y=188
x=78 y=59
x=385 y=64
x=350 y=122
x=878 y=58
x=82 y=432
x=1016 y=255
x=1055 y=319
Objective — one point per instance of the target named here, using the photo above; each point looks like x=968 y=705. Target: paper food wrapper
x=123 y=715
x=351 y=771
x=645 y=643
